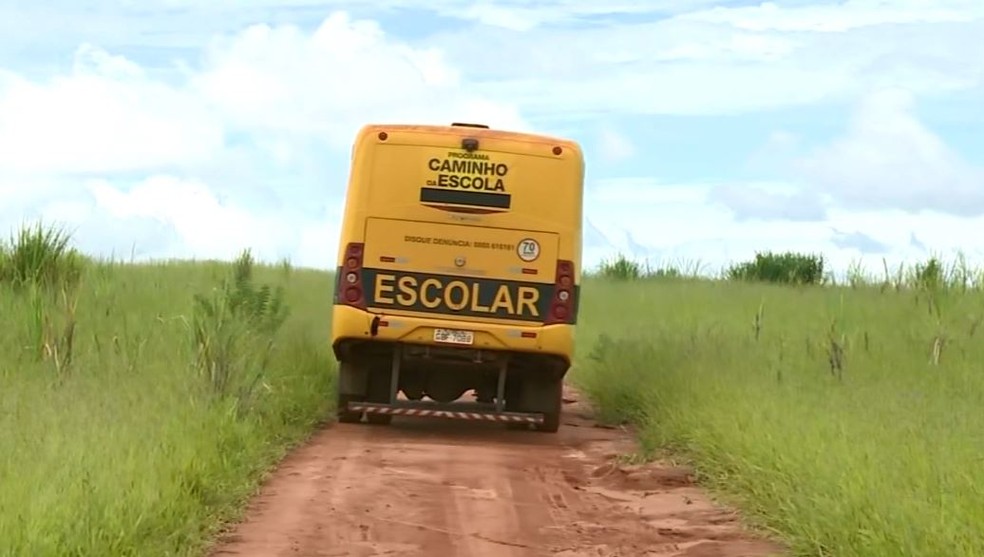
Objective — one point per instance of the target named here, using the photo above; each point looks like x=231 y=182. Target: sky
x=712 y=130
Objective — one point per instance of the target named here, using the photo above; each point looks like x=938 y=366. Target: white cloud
x=106 y=115
x=164 y=217
x=889 y=159
x=109 y=145
x=200 y=224
x=168 y=17
x=292 y=99
x=675 y=221
x=516 y=19
x=674 y=224
x=886 y=159
x=614 y=146
x=330 y=82
x=779 y=148
x=109 y=114
x=767 y=16
x=840 y=17
x=770 y=201
x=730 y=60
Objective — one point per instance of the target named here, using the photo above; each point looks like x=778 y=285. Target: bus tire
x=550 y=403
x=543 y=394
x=346 y=416
x=351 y=387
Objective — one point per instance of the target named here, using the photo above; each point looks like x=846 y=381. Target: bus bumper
x=349 y=323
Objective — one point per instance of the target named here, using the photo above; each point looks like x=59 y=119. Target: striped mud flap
x=458 y=411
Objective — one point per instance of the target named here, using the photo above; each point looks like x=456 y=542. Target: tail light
x=562 y=305
x=350 y=291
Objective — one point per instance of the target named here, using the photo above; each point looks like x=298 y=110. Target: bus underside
x=382 y=379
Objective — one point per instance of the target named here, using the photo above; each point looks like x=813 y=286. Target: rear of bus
x=458 y=271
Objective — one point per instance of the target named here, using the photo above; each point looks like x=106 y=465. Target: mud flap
x=353 y=380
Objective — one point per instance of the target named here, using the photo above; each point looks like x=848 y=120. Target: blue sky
x=172 y=128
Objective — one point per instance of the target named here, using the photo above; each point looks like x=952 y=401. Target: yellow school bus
x=458 y=274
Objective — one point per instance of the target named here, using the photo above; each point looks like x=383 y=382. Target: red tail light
x=350 y=291
x=563 y=304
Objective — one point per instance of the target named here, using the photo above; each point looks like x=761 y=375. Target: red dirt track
x=440 y=488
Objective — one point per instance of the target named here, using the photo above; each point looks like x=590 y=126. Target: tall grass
x=621 y=268
x=847 y=420
x=40 y=256
x=119 y=433
x=141 y=404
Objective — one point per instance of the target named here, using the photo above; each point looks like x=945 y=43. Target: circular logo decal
x=528 y=249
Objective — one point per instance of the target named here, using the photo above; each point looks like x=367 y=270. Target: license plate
x=453 y=336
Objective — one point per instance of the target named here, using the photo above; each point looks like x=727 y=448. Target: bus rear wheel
x=550 y=403
x=346 y=416
x=541 y=394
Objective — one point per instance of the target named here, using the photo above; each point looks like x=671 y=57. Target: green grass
x=142 y=404
x=118 y=435
x=848 y=421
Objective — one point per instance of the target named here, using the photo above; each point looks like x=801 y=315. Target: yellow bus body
x=462 y=229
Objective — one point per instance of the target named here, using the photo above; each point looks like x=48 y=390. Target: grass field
x=848 y=420
x=135 y=419
x=116 y=439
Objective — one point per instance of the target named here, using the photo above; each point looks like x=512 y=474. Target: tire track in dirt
x=455 y=489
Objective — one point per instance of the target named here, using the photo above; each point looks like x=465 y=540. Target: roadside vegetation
x=142 y=404
x=843 y=417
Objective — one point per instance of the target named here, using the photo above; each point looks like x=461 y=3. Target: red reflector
x=387 y=259
x=526 y=334
x=352 y=294
x=560 y=312
x=529 y=271
x=384 y=323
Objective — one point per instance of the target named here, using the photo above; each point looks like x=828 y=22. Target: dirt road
x=460 y=489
